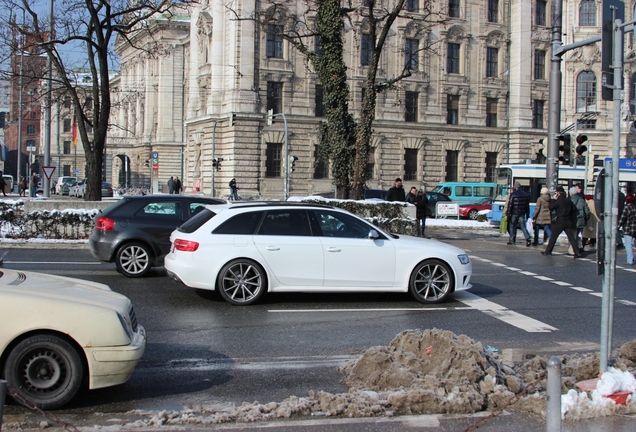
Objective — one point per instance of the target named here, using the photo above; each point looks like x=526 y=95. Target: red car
x=471 y=211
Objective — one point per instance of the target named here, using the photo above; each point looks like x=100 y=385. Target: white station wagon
x=244 y=250
x=59 y=334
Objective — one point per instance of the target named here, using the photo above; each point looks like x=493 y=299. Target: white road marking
x=556 y=282
x=55 y=262
x=499 y=264
x=513 y=268
x=580 y=289
x=627 y=302
x=597 y=294
x=544 y=278
x=527 y=273
x=503 y=314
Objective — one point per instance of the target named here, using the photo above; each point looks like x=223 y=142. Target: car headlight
x=126 y=325
x=463 y=258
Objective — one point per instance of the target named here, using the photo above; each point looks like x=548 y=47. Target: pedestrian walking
x=3 y=184
x=580 y=215
x=233 y=190
x=33 y=184
x=421 y=211
x=518 y=211
x=171 y=185
x=542 y=217
x=177 y=185
x=396 y=193
x=627 y=224
x=562 y=221
x=23 y=186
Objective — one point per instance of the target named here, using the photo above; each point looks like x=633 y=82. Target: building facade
x=477 y=97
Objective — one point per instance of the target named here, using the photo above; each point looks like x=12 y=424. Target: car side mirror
x=373 y=234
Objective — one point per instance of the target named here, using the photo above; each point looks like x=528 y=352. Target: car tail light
x=186 y=245
x=104 y=224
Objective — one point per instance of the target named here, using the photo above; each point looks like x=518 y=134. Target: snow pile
x=433 y=372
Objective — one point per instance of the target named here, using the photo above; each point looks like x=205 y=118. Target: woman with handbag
x=542 y=216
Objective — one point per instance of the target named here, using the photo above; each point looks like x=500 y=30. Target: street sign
x=612 y=10
x=624 y=163
x=155 y=155
x=48 y=171
x=30 y=148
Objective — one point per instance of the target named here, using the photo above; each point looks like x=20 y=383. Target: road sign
x=624 y=163
x=30 y=148
x=48 y=171
x=155 y=155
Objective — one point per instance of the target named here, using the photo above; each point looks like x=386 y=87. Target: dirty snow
x=431 y=372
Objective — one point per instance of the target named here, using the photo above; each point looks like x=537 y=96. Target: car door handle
x=272 y=248
x=333 y=249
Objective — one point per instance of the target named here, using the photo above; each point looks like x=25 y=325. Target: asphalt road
x=202 y=350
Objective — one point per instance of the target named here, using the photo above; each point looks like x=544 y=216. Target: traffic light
x=147 y=163
x=270 y=117
x=292 y=163
x=217 y=163
x=565 y=149
x=580 y=148
x=233 y=119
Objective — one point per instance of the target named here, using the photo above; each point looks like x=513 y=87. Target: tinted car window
x=285 y=222
x=244 y=223
x=200 y=216
x=335 y=224
x=164 y=209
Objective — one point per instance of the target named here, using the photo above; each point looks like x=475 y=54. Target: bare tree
x=301 y=22
x=92 y=28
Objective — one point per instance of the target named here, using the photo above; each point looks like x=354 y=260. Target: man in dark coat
x=561 y=208
x=421 y=210
x=518 y=212
x=396 y=193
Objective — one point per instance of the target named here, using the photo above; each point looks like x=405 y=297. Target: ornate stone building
x=477 y=98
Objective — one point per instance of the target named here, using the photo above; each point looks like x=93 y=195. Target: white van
x=63 y=185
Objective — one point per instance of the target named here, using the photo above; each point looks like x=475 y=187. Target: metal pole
x=554 y=103
x=20 y=102
x=47 y=113
x=3 y=392
x=213 y=150
x=286 y=162
x=553 y=396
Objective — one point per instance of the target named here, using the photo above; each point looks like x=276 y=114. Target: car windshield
x=68 y=181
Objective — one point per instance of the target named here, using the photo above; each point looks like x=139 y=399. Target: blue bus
x=532 y=178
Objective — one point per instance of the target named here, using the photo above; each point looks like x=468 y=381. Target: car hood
x=60 y=288
x=405 y=241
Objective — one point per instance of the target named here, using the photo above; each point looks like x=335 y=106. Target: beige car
x=59 y=334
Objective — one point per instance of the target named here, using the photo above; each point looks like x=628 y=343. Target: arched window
x=587 y=13
x=586 y=92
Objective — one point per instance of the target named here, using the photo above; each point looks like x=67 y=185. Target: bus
x=532 y=178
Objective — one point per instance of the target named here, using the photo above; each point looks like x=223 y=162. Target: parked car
x=471 y=211
x=78 y=189
x=246 y=250
x=63 y=184
x=107 y=190
x=433 y=199
x=134 y=232
x=60 y=335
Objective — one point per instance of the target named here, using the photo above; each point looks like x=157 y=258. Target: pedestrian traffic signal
x=147 y=163
x=217 y=163
x=565 y=149
x=292 y=162
x=580 y=149
x=233 y=119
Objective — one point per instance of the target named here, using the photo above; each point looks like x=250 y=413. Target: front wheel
x=45 y=370
x=242 y=282
x=431 y=281
x=134 y=260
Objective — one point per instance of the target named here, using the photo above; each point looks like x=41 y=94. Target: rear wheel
x=46 y=370
x=242 y=282
x=473 y=214
x=431 y=281
x=134 y=259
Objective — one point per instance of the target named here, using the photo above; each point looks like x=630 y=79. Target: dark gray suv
x=135 y=231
